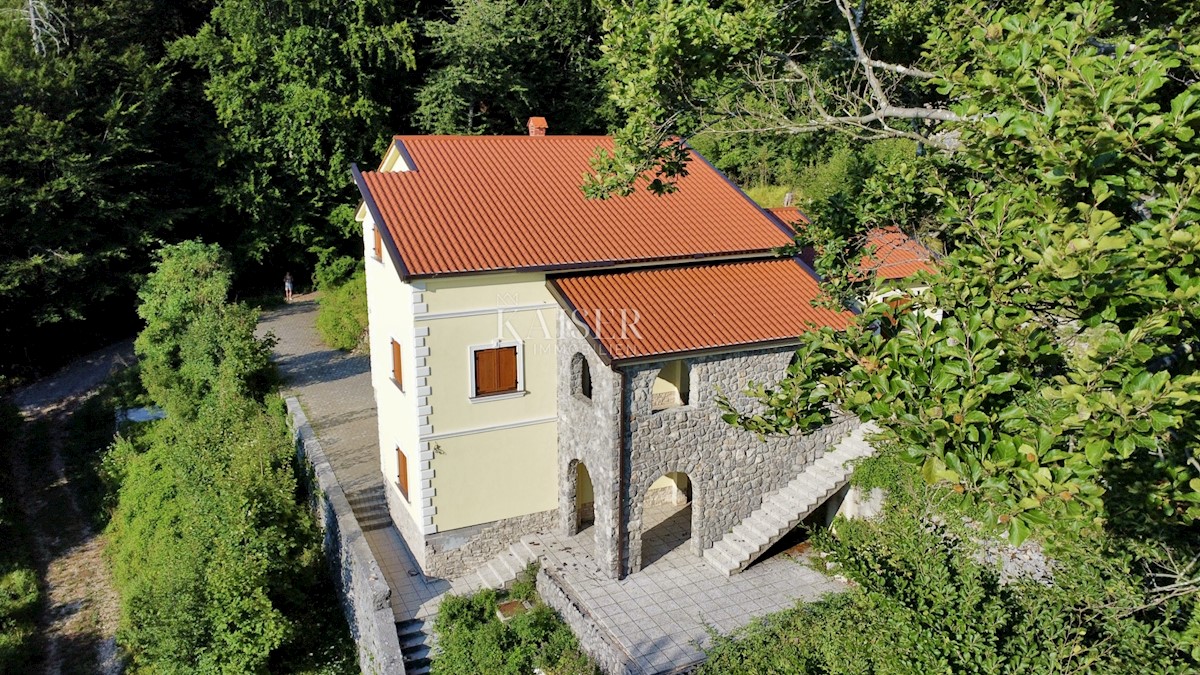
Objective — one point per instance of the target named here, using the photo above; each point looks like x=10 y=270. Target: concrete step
x=788 y=506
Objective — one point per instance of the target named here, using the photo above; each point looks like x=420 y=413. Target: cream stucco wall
x=390 y=310
x=499 y=474
x=492 y=457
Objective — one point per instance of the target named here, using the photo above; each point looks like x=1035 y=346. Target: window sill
x=398 y=385
x=496 y=397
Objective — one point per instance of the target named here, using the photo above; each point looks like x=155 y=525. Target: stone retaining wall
x=592 y=639
x=364 y=592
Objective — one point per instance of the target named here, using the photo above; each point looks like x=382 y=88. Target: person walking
x=287 y=287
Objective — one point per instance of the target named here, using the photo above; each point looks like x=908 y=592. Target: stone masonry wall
x=589 y=432
x=364 y=593
x=731 y=470
x=454 y=553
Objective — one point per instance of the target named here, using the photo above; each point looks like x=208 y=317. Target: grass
x=20 y=596
x=769 y=196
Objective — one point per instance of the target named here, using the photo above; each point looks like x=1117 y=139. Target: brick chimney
x=537 y=126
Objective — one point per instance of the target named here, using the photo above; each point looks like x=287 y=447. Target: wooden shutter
x=378 y=242
x=506 y=368
x=495 y=371
x=397 y=370
x=402 y=472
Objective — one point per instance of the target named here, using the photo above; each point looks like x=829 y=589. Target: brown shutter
x=378 y=242
x=495 y=371
x=402 y=473
x=506 y=368
x=397 y=371
x=485 y=372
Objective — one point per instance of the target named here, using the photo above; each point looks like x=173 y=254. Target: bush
x=216 y=559
x=923 y=604
x=342 y=316
x=474 y=640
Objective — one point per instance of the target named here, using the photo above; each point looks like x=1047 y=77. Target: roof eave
x=380 y=224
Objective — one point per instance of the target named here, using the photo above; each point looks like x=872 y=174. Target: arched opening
x=666 y=517
x=671 y=387
x=585 y=499
x=581 y=377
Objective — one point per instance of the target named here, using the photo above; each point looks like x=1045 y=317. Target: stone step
x=779 y=512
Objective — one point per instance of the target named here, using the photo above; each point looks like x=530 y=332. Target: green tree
x=93 y=172
x=195 y=343
x=301 y=89
x=1061 y=381
x=497 y=62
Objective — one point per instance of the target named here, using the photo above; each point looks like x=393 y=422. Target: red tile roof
x=484 y=203
x=690 y=308
x=896 y=255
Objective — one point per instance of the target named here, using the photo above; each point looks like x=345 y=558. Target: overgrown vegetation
x=20 y=596
x=342 y=316
x=922 y=602
x=214 y=553
x=474 y=640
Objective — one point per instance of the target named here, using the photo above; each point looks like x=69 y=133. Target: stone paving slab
x=659 y=615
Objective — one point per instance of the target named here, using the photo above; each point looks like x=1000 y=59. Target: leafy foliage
x=474 y=640
x=1061 y=367
x=342 y=317
x=216 y=557
x=923 y=604
x=195 y=343
x=301 y=89
x=20 y=596
x=497 y=62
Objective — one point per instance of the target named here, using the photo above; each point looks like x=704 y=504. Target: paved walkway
x=334 y=388
x=660 y=615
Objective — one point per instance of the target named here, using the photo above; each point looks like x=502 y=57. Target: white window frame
x=498 y=344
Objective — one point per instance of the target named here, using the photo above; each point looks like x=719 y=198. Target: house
x=545 y=361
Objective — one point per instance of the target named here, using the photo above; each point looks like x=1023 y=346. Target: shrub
x=342 y=317
x=923 y=604
x=474 y=640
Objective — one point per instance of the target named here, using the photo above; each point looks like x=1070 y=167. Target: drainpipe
x=623 y=424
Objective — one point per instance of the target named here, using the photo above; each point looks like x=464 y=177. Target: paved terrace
x=658 y=616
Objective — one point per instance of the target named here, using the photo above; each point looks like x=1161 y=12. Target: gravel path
x=333 y=387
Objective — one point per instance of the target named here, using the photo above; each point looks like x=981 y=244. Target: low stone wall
x=364 y=592
x=456 y=552
x=592 y=639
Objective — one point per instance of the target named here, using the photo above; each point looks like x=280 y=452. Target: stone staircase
x=416 y=645
x=499 y=572
x=370 y=508
x=786 y=508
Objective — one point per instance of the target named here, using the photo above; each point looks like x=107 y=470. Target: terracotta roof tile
x=484 y=203
x=689 y=308
x=896 y=255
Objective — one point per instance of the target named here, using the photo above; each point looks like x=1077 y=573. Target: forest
x=1044 y=390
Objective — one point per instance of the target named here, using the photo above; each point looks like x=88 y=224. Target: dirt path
x=80 y=608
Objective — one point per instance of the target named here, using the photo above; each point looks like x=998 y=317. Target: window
x=671 y=387
x=378 y=243
x=581 y=377
x=397 y=370
x=402 y=472
x=494 y=370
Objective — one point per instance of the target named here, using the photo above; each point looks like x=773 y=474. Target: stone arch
x=667 y=513
x=672 y=386
x=581 y=377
